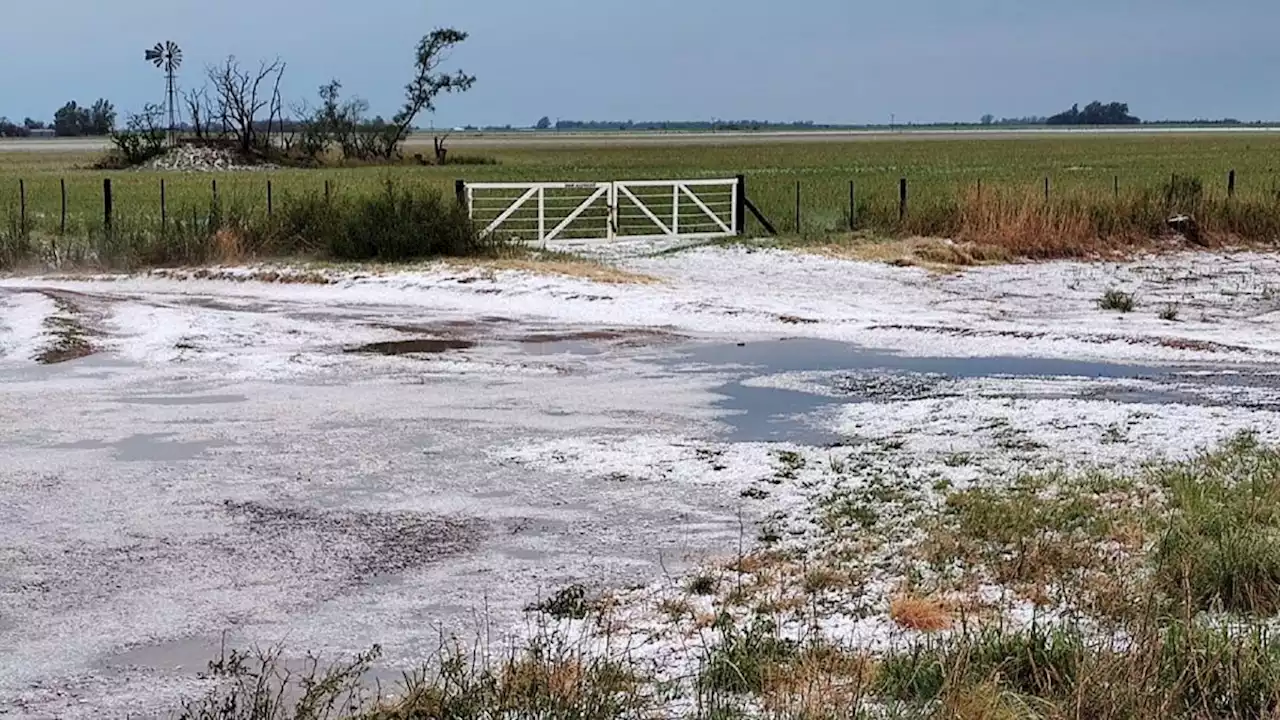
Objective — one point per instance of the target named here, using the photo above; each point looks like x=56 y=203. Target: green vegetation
x=1155 y=596
x=1118 y=300
x=393 y=224
x=986 y=192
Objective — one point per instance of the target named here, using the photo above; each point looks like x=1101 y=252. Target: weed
x=1170 y=312
x=917 y=613
x=739 y=664
x=1220 y=545
x=790 y=463
x=1117 y=300
x=568 y=603
x=703 y=584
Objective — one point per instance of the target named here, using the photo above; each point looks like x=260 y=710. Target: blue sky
x=822 y=60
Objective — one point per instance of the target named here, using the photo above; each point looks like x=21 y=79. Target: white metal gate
x=635 y=209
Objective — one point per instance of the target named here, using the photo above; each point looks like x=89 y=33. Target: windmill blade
x=154 y=56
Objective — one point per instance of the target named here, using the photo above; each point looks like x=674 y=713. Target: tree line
x=242 y=106
x=71 y=120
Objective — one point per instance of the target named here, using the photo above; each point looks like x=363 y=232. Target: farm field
x=940 y=172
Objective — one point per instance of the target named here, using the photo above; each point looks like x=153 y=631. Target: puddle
x=422 y=346
x=758 y=414
x=174 y=656
x=825 y=355
x=182 y=400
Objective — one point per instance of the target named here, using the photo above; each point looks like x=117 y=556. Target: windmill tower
x=168 y=57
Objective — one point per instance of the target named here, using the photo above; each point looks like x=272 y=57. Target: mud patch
x=69 y=335
x=420 y=346
x=362 y=545
x=628 y=338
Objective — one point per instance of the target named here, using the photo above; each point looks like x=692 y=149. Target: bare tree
x=198 y=109
x=421 y=92
x=240 y=97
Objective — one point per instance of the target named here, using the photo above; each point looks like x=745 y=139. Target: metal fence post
x=739 y=208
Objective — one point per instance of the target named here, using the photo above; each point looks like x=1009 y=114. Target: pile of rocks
x=202 y=158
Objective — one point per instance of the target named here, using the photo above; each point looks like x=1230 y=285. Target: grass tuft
x=1117 y=300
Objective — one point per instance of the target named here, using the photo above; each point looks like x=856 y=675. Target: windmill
x=168 y=57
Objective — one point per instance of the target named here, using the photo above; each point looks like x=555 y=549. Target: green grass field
x=939 y=172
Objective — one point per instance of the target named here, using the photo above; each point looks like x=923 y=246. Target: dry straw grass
x=918 y=613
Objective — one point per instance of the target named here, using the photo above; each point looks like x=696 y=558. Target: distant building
x=43 y=133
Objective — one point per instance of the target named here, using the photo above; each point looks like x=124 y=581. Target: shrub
x=1117 y=300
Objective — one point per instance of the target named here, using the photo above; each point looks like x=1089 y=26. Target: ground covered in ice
x=333 y=458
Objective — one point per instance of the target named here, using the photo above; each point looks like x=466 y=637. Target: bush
x=393 y=225
x=1117 y=300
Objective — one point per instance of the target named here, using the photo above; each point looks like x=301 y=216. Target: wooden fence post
x=1231 y=184
x=22 y=206
x=1117 y=186
x=269 y=200
x=1046 y=188
x=326 y=192
x=164 y=209
x=63 y=184
x=902 y=199
x=106 y=203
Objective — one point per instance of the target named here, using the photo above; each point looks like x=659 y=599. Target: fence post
x=164 y=209
x=269 y=203
x=22 y=206
x=326 y=192
x=106 y=203
x=215 y=192
x=853 y=206
x=63 y=184
x=739 y=208
x=1117 y=186
x=459 y=191
x=1231 y=184
x=902 y=199
x=1046 y=188
x=798 y=207
x=979 y=190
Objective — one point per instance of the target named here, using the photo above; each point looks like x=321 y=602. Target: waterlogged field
x=723 y=482
x=940 y=172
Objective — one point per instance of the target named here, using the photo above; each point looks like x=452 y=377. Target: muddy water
x=763 y=414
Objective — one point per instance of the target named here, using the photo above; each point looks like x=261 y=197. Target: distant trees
x=342 y=124
x=72 y=120
x=544 y=123
x=10 y=129
x=988 y=119
x=1096 y=113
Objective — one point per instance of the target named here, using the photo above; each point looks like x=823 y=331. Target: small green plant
x=1169 y=312
x=703 y=584
x=568 y=603
x=1118 y=300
